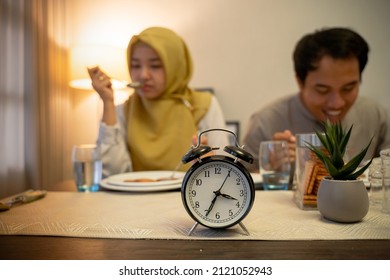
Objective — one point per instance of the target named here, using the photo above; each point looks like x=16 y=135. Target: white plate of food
x=144 y=181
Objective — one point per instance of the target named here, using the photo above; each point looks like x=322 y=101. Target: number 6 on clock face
x=218 y=192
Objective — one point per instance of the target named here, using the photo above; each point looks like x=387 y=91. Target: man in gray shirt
x=328 y=66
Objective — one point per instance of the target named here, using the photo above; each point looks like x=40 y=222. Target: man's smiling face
x=329 y=91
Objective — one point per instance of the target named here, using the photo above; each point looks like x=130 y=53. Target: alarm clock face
x=218 y=192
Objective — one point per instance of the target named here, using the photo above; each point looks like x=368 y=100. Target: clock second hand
x=219 y=190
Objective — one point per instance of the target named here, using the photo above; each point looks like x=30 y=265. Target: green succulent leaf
x=335 y=140
x=345 y=140
x=337 y=157
x=359 y=172
x=333 y=171
x=323 y=140
x=348 y=169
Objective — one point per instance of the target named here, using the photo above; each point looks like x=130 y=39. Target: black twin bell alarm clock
x=217 y=191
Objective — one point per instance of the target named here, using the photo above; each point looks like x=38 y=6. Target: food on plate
x=140 y=180
x=148 y=180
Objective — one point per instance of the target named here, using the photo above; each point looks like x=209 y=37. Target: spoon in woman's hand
x=134 y=85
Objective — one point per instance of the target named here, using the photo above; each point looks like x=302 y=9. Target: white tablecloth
x=274 y=216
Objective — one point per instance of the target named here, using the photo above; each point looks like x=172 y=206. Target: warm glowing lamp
x=112 y=60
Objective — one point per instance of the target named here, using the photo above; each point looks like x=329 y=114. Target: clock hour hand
x=228 y=196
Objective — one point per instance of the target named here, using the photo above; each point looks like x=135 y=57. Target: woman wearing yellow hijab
x=155 y=127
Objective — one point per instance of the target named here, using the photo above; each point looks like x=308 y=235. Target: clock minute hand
x=211 y=205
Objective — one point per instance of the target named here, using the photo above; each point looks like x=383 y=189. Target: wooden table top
x=64 y=248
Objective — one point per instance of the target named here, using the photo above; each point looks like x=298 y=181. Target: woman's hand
x=102 y=84
x=203 y=140
x=291 y=140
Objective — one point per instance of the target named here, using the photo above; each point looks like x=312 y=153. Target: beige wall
x=241 y=48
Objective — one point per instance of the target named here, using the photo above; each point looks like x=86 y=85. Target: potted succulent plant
x=342 y=197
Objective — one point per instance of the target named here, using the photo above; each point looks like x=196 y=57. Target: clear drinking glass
x=375 y=179
x=385 y=157
x=87 y=167
x=309 y=171
x=274 y=165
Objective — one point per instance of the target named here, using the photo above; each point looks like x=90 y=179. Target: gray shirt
x=368 y=118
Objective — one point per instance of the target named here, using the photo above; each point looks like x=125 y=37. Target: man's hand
x=291 y=140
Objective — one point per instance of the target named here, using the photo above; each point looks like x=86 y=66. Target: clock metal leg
x=244 y=228
x=193 y=228
x=196 y=224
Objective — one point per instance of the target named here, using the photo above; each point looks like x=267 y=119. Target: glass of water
x=274 y=165
x=375 y=178
x=87 y=167
x=385 y=157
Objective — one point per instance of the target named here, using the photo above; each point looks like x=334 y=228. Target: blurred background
x=241 y=49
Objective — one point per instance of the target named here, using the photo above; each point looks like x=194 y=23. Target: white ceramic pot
x=342 y=201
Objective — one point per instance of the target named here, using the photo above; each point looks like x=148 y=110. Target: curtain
x=34 y=96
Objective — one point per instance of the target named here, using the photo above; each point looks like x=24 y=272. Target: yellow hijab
x=159 y=131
